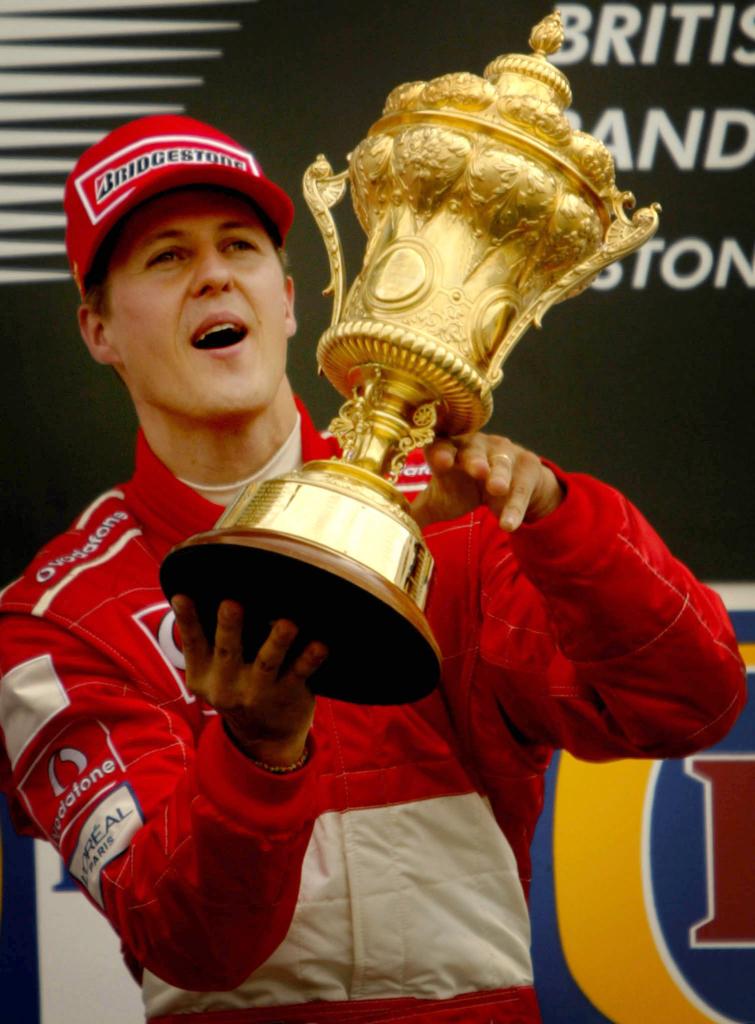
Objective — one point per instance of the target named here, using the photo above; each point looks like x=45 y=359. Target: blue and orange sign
x=654 y=881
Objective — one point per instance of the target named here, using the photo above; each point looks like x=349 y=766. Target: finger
x=441 y=456
x=271 y=654
x=472 y=457
x=501 y=472
x=196 y=649
x=524 y=480
x=227 y=651
x=308 y=662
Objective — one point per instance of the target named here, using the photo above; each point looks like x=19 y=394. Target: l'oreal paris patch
x=104 y=835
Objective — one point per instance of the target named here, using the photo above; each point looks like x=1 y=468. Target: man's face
x=198 y=309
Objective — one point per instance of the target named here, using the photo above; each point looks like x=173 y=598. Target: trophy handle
x=323 y=189
x=623 y=236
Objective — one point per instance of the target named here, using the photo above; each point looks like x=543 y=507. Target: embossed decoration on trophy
x=482 y=208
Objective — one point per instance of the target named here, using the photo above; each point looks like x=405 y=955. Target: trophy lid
x=521 y=99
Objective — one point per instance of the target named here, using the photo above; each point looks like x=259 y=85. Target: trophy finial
x=520 y=73
x=547 y=36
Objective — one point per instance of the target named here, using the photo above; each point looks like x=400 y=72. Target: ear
x=94 y=331
x=290 y=316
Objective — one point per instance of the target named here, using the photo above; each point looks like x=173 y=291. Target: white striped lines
x=30 y=221
x=47 y=56
x=36 y=38
x=31 y=165
x=19 y=195
x=20 y=84
x=64 y=6
x=28 y=276
x=25 y=111
x=15 y=248
x=41 y=29
x=28 y=138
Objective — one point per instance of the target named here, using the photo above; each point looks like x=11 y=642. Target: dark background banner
x=645 y=380
x=646 y=383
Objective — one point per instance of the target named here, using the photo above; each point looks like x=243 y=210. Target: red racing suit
x=387 y=879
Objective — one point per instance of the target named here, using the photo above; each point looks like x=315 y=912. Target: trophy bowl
x=482 y=207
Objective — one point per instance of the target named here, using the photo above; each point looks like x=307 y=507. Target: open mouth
x=220 y=336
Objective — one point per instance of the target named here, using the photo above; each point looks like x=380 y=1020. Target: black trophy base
x=381 y=648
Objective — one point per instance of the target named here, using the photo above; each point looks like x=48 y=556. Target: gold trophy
x=482 y=208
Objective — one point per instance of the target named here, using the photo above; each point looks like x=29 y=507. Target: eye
x=164 y=256
x=241 y=245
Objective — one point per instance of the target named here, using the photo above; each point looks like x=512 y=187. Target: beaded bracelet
x=283 y=769
x=276 y=769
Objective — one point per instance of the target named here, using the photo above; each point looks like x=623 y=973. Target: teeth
x=220 y=335
x=216 y=328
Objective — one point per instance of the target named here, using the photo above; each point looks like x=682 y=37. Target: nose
x=212 y=273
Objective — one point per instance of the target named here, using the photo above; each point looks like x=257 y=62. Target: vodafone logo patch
x=66 y=755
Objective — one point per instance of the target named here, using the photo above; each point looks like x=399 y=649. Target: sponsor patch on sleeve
x=70 y=772
x=104 y=836
x=89 y=545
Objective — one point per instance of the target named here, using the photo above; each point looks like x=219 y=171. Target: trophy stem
x=389 y=415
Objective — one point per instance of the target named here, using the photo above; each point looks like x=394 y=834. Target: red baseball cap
x=139 y=160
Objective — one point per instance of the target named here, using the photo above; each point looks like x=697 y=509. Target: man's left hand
x=482 y=469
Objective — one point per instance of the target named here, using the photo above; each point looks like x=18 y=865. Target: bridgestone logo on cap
x=105 y=183
x=110 y=182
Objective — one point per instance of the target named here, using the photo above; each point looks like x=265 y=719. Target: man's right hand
x=266 y=703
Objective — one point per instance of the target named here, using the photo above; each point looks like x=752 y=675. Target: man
x=266 y=856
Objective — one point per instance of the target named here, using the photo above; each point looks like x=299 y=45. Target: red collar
x=169 y=511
